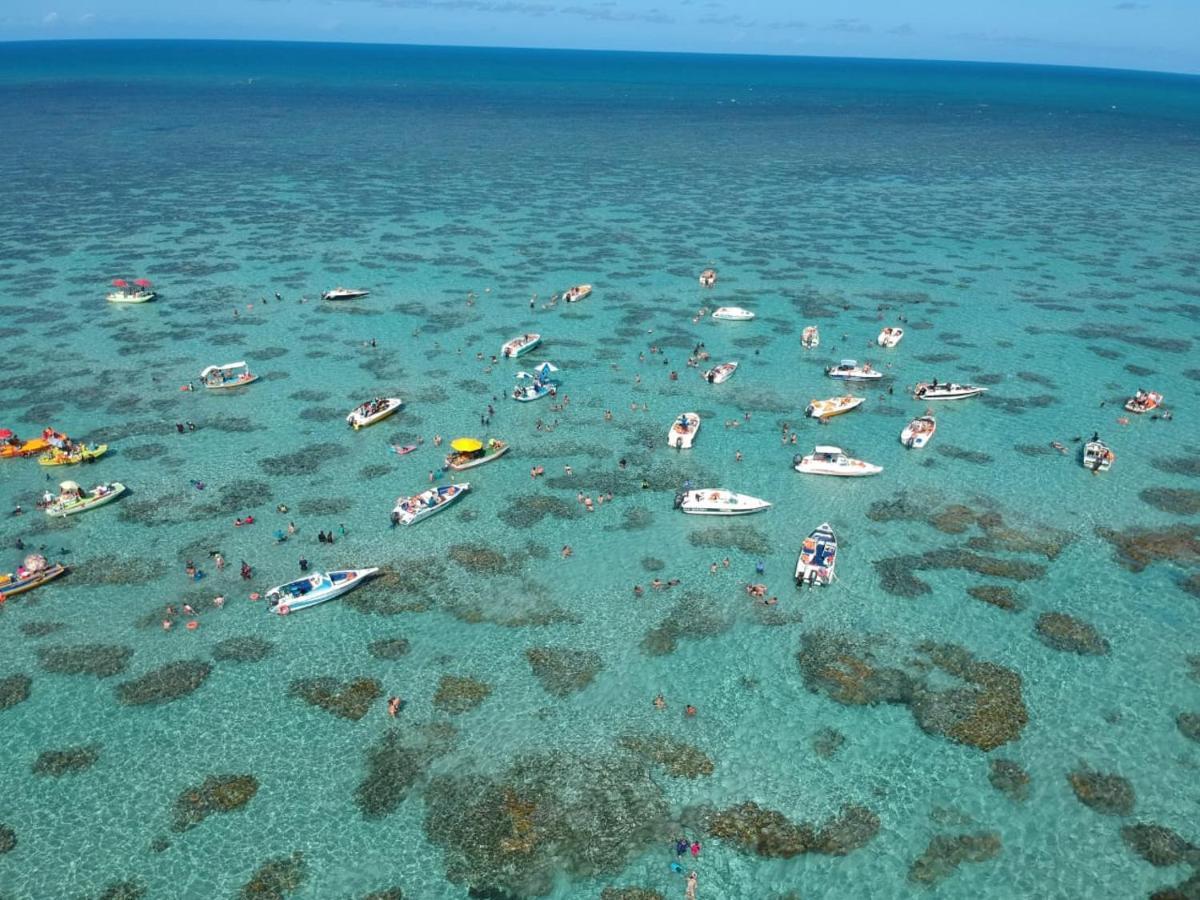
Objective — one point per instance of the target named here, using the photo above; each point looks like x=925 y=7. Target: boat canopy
x=68 y=486
x=828 y=451
x=849 y=363
x=228 y=367
x=466 y=445
x=142 y=283
x=120 y=282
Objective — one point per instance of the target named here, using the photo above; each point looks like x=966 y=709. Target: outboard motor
x=796 y=459
x=679 y=498
x=395 y=518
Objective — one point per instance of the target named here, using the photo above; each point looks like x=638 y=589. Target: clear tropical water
x=1036 y=230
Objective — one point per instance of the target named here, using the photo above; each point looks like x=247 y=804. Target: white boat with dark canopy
x=810 y=337
x=373 y=411
x=732 y=314
x=313 y=589
x=341 y=293
x=718 y=502
x=230 y=375
x=683 y=431
x=918 y=432
x=1097 y=456
x=833 y=461
x=818 y=558
x=834 y=406
x=519 y=346
x=410 y=510
x=935 y=390
x=890 y=336
x=850 y=370
x=720 y=373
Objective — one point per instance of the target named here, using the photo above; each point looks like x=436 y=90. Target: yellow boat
x=29 y=448
x=79 y=455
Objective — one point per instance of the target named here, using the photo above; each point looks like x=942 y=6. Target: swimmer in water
x=660 y=702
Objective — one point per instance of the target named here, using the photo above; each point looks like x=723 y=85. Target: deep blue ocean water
x=1036 y=231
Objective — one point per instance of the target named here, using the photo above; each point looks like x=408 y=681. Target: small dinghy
x=72 y=499
x=708 y=277
x=721 y=373
x=410 y=510
x=918 y=432
x=810 y=337
x=834 y=406
x=577 y=293
x=32 y=573
x=470 y=452
x=341 y=293
x=850 y=370
x=139 y=292
x=230 y=375
x=373 y=411
x=1143 y=401
x=1097 y=456
x=403 y=451
x=313 y=589
x=73 y=456
x=519 y=346
x=732 y=314
x=833 y=461
x=718 y=502
x=818 y=557
x=683 y=431
x=933 y=390
x=890 y=337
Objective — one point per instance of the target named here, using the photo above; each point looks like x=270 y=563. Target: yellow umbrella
x=466 y=445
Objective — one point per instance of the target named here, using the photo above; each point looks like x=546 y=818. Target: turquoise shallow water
x=1036 y=229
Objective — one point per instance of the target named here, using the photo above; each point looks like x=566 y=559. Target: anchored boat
x=732 y=314
x=139 y=292
x=577 y=293
x=32 y=573
x=834 y=406
x=708 y=277
x=833 y=461
x=850 y=370
x=718 y=502
x=73 y=455
x=683 y=431
x=373 y=411
x=720 y=373
x=410 y=510
x=519 y=346
x=341 y=293
x=72 y=499
x=1143 y=401
x=313 y=589
x=230 y=375
x=818 y=557
x=933 y=390
x=810 y=337
x=469 y=453
x=918 y=432
x=890 y=337
x=1097 y=456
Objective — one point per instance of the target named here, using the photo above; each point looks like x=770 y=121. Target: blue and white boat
x=818 y=557
x=314 y=589
x=409 y=510
x=536 y=384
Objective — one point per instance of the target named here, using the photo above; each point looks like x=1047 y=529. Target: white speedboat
x=918 y=432
x=73 y=499
x=818 y=557
x=850 y=370
x=577 y=293
x=732 y=314
x=341 y=293
x=718 y=502
x=834 y=406
x=138 y=292
x=890 y=337
x=373 y=411
x=1143 y=401
x=519 y=346
x=833 y=461
x=230 y=375
x=467 y=453
x=718 y=374
x=810 y=337
x=683 y=431
x=935 y=390
x=410 y=510
x=708 y=277
x=1097 y=456
x=313 y=589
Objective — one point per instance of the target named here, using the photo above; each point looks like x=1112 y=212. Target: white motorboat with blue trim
x=313 y=589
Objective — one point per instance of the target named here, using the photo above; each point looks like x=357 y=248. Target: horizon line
x=601 y=50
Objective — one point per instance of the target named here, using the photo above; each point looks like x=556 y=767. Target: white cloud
x=51 y=18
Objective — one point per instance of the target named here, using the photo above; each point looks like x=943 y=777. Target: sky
x=1161 y=35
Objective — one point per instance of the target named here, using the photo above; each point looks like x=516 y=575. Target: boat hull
x=11 y=586
x=342 y=581
x=86 y=455
x=418 y=513
x=858 y=469
x=915 y=440
x=483 y=460
x=515 y=348
x=357 y=421
x=924 y=392
x=140 y=297
x=87 y=503
x=732 y=314
x=241 y=382
x=823 y=409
